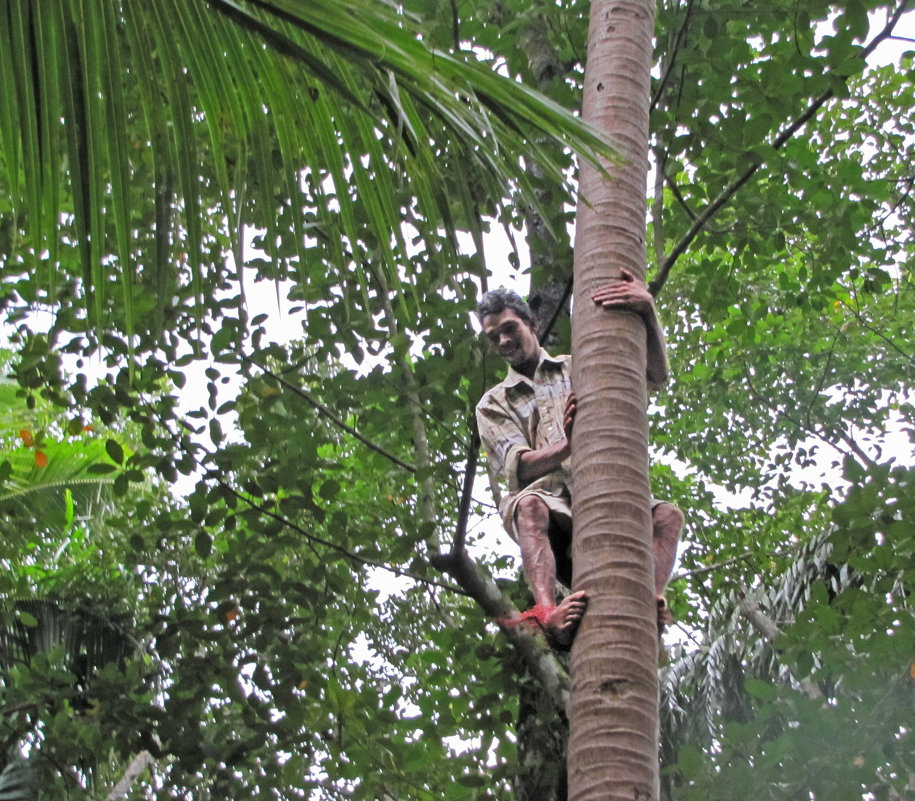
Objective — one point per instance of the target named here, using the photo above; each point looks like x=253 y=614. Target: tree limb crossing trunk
x=140 y=762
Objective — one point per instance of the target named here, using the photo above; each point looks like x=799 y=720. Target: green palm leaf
x=46 y=483
x=19 y=781
x=66 y=480
x=86 y=642
x=119 y=119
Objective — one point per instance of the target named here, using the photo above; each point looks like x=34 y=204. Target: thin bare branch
x=657 y=205
x=470 y=473
x=824 y=374
x=427 y=508
x=859 y=318
x=678 y=40
x=337 y=421
x=744 y=557
x=333 y=545
x=455 y=26
x=812 y=431
x=542 y=335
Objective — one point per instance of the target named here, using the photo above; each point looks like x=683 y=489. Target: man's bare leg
x=532 y=523
x=666 y=523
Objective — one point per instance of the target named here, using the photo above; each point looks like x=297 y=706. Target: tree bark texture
x=542 y=735
x=548 y=246
x=613 y=741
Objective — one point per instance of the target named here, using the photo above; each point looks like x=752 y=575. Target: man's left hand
x=625 y=294
x=568 y=417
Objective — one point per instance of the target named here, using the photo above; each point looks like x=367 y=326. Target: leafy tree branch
x=724 y=196
x=287 y=523
x=808 y=428
x=330 y=415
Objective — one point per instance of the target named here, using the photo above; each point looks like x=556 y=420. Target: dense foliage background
x=210 y=490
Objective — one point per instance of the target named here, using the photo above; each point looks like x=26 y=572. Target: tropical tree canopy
x=250 y=498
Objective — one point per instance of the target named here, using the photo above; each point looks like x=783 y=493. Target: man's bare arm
x=627 y=294
x=536 y=464
x=656 y=369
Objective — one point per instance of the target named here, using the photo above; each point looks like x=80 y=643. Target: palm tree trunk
x=613 y=741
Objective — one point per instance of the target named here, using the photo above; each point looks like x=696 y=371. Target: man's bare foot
x=561 y=625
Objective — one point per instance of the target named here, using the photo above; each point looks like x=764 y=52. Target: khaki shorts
x=560 y=507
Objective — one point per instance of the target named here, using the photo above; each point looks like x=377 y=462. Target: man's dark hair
x=497 y=301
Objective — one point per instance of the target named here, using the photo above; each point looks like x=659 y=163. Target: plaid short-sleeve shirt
x=519 y=415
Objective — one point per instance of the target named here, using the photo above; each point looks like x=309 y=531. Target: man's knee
x=667 y=519
x=531 y=510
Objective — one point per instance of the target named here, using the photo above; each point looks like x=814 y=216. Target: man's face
x=511 y=337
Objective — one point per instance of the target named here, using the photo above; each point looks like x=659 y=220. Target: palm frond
x=19 y=781
x=85 y=641
x=334 y=111
x=49 y=492
x=706 y=686
x=48 y=480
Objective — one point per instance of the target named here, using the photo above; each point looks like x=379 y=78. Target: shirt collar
x=514 y=377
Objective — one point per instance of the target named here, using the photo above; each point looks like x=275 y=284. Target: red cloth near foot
x=540 y=614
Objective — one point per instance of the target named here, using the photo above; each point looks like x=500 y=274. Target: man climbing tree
x=525 y=424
